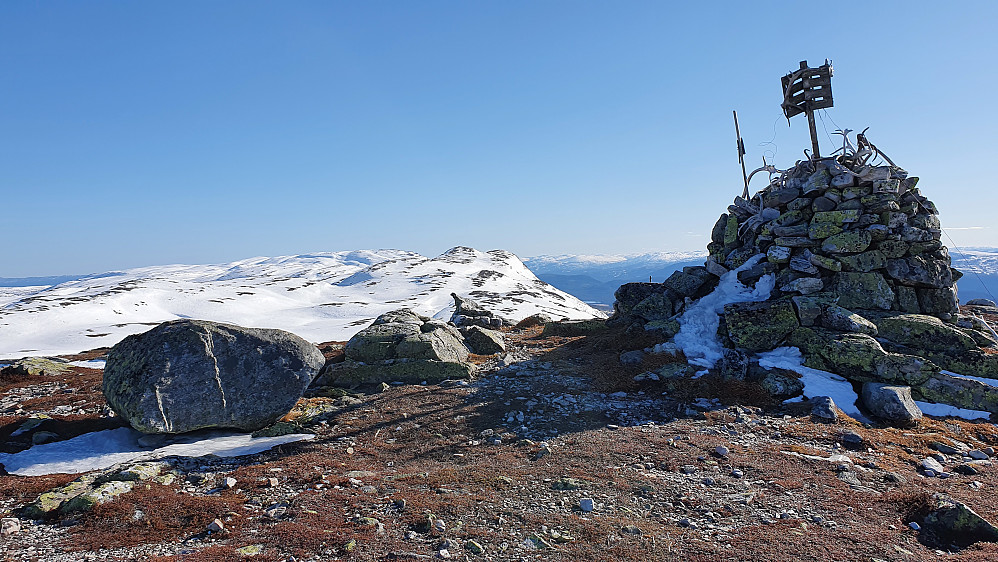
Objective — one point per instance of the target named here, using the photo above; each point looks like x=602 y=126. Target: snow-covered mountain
x=321 y=297
x=594 y=278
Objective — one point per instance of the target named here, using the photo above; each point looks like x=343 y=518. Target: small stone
x=630 y=530
x=443 y=553
x=230 y=482
x=721 y=451
x=474 y=547
x=688 y=469
x=273 y=482
x=823 y=407
x=915 y=526
x=9 y=526
x=586 y=505
x=216 y=526
x=894 y=477
x=778 y=254
x=42 y=437
x=929 y=463
x=737 y=473
x=825 y=262
x=966 y=469
x=977 y=454
x=685 y=522
x=852 y=438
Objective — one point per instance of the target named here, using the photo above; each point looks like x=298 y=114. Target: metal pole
x=741 y=156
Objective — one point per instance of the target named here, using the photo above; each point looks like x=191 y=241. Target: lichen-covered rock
x=863 y=290
x=193 y=374
x=939 y=302
x=918 y=271
x=656 y=307
x=782 y=384
x=760 y=326
x=906 y=369
x=891 y=403
x=37 y=366
x=864 y=262
x=803 y=285
x=95 y=488
x=778 y=254
x=950 y=522
x=849 y=242
x=685 y=284
x=958 y=391
x=924 y=332
x=835 y=317
x=907 y=299
x=570 y=328
x=810 y=307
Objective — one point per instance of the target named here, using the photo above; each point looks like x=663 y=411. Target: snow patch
x=697 y=335
x=104 y=449
x=91 y=364
x=989 y=382
x=943 y=410
x=816 y=382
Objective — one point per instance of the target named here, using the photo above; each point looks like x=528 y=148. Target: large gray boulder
x=194 y=374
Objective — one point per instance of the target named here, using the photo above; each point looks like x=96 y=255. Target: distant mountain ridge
x=594 y=278
x=321 y=297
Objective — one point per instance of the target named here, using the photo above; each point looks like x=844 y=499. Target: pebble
x=914 y=526
x=737 y=473
x=685 y=522
x=9 y=526
x=979 y=455
x=721 y=451
x=931 y=464
x=230 y=482
x=852 y=438
x=586 y=505
x=216 y=526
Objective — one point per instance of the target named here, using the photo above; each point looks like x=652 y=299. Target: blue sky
x=141 y=133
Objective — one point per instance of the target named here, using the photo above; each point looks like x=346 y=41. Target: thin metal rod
x=741 y=155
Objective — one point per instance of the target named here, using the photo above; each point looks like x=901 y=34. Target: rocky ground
x=553 y=451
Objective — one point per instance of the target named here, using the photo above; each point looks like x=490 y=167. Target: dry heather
x=408 y=472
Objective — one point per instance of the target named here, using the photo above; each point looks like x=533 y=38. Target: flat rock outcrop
x=194 y=374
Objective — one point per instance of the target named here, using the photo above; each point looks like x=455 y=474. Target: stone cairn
x=863 y=287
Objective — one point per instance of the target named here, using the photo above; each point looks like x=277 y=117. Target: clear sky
x=144 y=133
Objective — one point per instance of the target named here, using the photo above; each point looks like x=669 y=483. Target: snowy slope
x=321 y=297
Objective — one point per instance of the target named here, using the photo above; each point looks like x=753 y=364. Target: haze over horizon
x=149 y=134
